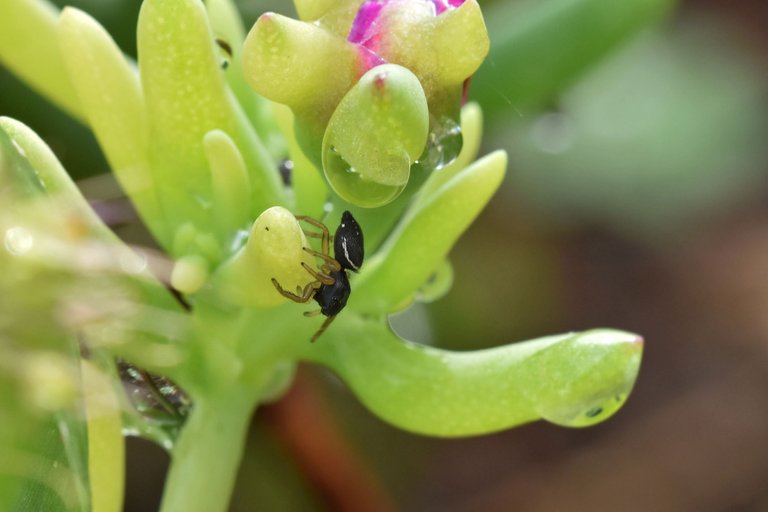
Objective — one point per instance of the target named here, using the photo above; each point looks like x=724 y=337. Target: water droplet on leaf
x=443 y=144
x=352 y=186
x=18 y=241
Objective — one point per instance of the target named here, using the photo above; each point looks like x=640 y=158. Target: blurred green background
x=636 y=198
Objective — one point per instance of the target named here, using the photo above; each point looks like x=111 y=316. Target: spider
x=330 y=289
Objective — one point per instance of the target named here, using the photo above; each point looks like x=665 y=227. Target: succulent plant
x=365 y=99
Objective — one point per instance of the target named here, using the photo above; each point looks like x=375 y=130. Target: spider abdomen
x=333 y=297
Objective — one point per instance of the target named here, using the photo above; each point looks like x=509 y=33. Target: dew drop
x=18 y=241
x=577 y=414
x=443 y=144
x=352 y=186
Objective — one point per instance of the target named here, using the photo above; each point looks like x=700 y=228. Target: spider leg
x=312 y=313
x=312 y=234
x=326 y=235
x=331 y=263
x=322 y=328
x=323 y=278
x=306 y=294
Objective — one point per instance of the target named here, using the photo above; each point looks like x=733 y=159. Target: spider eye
x=348 y=243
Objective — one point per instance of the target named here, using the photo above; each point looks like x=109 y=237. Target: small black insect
x=330 y=289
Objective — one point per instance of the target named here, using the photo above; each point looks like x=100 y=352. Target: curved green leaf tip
x=572 y=380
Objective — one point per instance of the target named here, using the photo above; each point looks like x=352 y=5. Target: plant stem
x=206 y=458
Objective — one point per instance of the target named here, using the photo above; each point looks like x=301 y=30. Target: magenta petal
x=365 y=20
x=368 y=59
x=443 y=5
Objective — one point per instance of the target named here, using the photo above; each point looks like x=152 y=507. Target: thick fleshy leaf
x=437 y=285
x=30 y=171
x=230 y=184
x=18 y=178
x=42 y=434
x=425 y=235
x=305 y=180
x=441 y=50
x=461 y=36
x=376 y=133
x=228 y=28
x=110 y=95
x=274 y=250
x=30 y=48
x=186 y=97
x=106 y=451
x=310 y=10
x=573 y=380
x=50 y=217
x=297 y=63
x=379 y=222
x=36 y=467
x=303 y=66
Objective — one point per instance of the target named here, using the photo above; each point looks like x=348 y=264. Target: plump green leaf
x=230 y=184
x=375 y=134
x=228 y=28
x=106 y=450
x=33 y=158
x=423 y=238
x=186 y=97
x=572 y=380
x=310 y=191
x=278 y=50
x=50 y=217
x=30 y=48
x=111 y=99
x=274 y=250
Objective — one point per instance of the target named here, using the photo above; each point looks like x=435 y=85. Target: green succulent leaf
x=572 y=380
x=106 y=450
x=186 y=97
x=30 y=48
x=423 y=238
x=195 y=147
x=303 y=66
x=309 y=189
x=274 y=250
x=18 y=178
x=376 y=133
x=230 y=183
x=311 y=10
x=52 y=217
x=228 y=28
x=437 y=285
x=111 y=99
